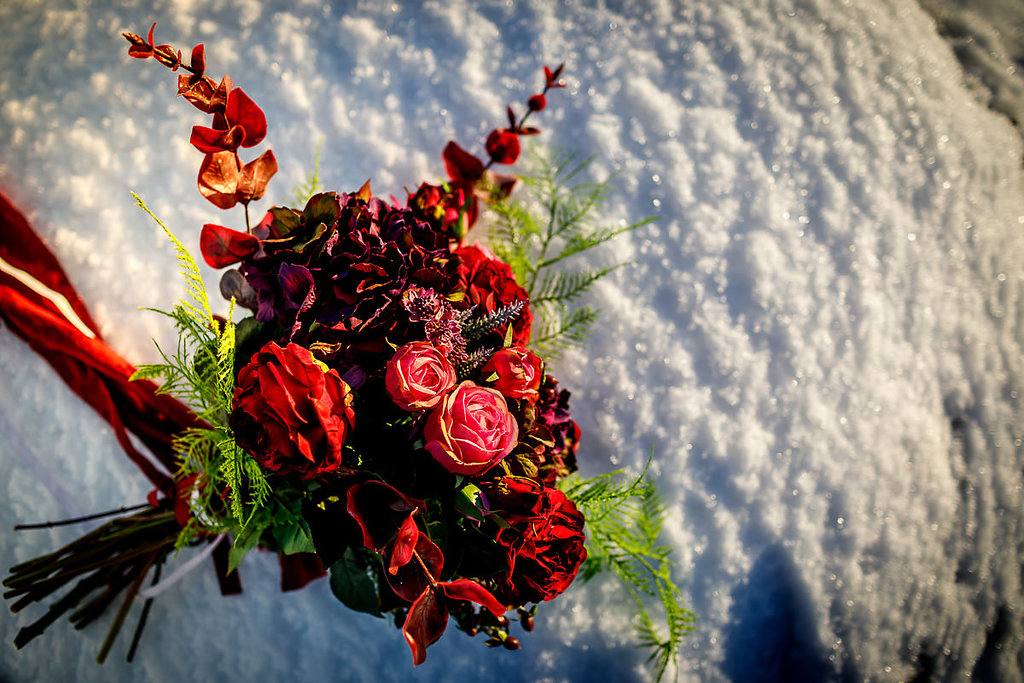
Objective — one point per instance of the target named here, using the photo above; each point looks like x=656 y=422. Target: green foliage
x=310 y=185
x=562 y=224
x=624 y=522
x=200 y=372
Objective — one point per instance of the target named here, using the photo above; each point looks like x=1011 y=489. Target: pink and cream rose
x=418 y=376
x=471 y=429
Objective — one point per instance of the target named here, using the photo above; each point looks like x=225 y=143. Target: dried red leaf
x=252 y=182
x=218 y=178
x=380 y=510
x=409 y=580
x=198 y=91
x=405 y=543
x=424 y=624
x=460 y=164
x=210 y=140
x=464 y=589
x=242 y=111
x=198 y=62
x=222 y=246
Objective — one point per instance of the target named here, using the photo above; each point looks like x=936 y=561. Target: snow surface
x=820 y=339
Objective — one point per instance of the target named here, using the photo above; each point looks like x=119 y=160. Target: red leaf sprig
x=469 y=179
x=412 y=563
x=237 y=122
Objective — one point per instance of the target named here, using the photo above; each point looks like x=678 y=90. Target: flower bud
x=537 y=102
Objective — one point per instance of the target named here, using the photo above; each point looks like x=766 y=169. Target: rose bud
x=537 y=102
x=418 y=376
x=503 y=146
x=471 y=430
x=518 y=373
x=292 y=413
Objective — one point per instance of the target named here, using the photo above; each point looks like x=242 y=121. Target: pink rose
x=471 y=429
x=518 y=373
x=418 y=376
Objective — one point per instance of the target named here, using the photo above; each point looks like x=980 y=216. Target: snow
x=820 y=337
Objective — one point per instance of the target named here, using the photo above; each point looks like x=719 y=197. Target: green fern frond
x=556 y=223
x=199 y=306
x=311 y=184
x=624 y=521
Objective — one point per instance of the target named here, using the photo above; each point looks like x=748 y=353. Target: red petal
x=401 y=553
x=460 y=164
x=218 y=178
x=424 y=624
x=255 y=175
x=242 y=111
x=223 y=246
x=464 y=589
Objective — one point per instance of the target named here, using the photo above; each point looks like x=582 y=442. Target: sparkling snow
x=821 y=337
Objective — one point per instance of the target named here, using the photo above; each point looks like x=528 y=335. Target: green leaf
x=293 y=538
x=245 y=541
x=466 y=502
x=352 y=585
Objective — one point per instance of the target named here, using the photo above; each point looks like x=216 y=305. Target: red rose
x=291 y=413
x=490 y=285
x=518 y=373
x=418 y=376
x=471 y=430
x=544 y=540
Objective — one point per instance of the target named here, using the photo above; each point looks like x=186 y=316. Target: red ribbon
x=39 y=304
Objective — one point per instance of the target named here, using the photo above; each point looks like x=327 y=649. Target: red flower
x=518 y=373
x=503 y=146
x=471 y=430
x=418 y=376
x=490 y=285
x=291 y=413
x=544 y=541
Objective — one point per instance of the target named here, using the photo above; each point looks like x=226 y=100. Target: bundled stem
x=106 y=561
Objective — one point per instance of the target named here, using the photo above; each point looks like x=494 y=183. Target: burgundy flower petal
x=464 y=589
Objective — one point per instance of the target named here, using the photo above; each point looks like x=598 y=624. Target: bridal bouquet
x=382 y=413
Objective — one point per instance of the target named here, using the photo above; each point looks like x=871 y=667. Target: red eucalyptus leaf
x=210 y=140
x=424 y=624
x=548 y=76
x=198 y=91
x=409 y=580
x=242 y=111
x=502 y=183
x=405 y=543
x=198 y=61
x=218 y=178
x=166 y=55
x=219 y=100
x=223 y=246
x=460 y=164
x=464 y=589
x=529 y=130
x=511 y=117
x=252 y=183
x=380 y=510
